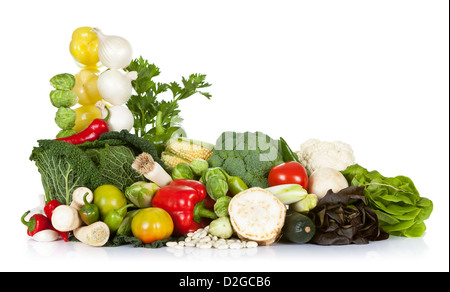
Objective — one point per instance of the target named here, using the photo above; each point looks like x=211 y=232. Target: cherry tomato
x=290 y=172
x=152 y=224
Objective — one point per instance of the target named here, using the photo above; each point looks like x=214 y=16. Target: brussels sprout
x=63 y=98
x=65 y=133
x=199 y=166
x=64 y=81
x=182 y=171
x=216 y=187
x=221 y=206
x=214 y=171
x=141 y=193
x=305 y=205
x=221 y=227
x=65 y=118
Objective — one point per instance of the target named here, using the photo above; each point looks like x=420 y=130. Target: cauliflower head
x=315 y=154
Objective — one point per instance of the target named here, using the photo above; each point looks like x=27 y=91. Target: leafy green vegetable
x=400 y=208
x=249 y=156
x=344 y=218
x=64 y=166
x=145 y=105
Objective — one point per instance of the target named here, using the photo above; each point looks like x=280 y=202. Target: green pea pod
x=216 y=187
x=64 y=81
x=89 y=213
x=63 y=98
x=236 y=185
x=286 y=151
x=115 y=217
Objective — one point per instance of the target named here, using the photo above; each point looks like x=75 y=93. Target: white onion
x=115 y=87
x=120 y=118
x=114 y=52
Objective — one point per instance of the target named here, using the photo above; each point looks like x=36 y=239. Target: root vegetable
x=78 y=197
x=66 y=218
x=325 y=179
x=96 y=234
x=256 y=214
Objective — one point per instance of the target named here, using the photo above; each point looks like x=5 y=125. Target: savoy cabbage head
x=65 y=167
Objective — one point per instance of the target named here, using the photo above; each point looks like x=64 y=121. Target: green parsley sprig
x=145 y=104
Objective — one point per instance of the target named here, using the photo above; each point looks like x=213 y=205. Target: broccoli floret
x=248 y=155
x=234 y=166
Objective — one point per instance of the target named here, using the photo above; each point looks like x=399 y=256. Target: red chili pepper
x=91 y=133
x=183 y=200
x=48 y=210
x=38 y=222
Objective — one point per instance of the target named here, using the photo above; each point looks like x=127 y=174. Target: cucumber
x=298 y=228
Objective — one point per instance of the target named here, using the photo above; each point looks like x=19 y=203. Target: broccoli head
x=249 y=155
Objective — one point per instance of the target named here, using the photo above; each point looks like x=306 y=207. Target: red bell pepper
x=48 y=210
x=183 y=200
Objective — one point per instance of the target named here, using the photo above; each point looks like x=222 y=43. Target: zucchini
x=298 y=228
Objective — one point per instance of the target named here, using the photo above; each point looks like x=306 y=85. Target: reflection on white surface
x=284 y=256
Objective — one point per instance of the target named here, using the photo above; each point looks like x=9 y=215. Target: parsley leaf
x=145 y=104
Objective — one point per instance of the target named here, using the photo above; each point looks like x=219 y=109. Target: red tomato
x=290 y=172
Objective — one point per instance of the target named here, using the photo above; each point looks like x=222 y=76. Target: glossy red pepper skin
x=48 y=210
x=37 y=222
x=183 y=200
x=91 y=133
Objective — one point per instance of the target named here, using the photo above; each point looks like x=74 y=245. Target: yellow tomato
x=85 y=115
x=84 y=47
x=86 y=87
x=151 y=224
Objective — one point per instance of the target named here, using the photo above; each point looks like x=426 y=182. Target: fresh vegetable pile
x=155 y=187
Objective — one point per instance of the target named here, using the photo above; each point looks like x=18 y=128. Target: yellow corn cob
x=189 y=149
x=171 y=159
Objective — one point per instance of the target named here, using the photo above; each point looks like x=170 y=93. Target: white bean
x=251 y=244
x=205 y=239
x=222 y=246
x=204 y=245
x=171 y=243
x=235 y=245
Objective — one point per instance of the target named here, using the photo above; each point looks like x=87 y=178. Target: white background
x=373 y=74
